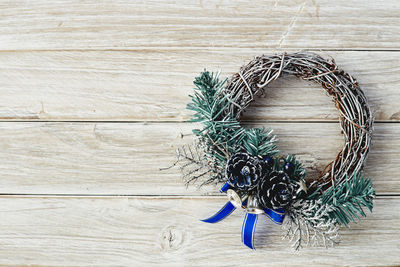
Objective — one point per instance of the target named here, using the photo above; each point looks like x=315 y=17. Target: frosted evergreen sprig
x=339 y=205
x=349 y=198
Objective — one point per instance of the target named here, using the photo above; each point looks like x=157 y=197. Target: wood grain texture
x=132 y=24
x=154 y=85
x=93 y=97
x=166 y=231
x=124 y=158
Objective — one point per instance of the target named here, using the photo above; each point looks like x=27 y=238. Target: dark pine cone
x=244 y=171
x=274 y=191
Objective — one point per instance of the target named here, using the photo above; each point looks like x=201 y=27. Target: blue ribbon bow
x=250 y=220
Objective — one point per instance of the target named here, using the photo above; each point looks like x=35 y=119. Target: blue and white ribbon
x=250 y=220
x=224 y=212
x=248 y=229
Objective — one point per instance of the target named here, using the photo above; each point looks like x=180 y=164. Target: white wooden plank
x=154 y=85
x=263 y=24
x=166 y=231
x=124 y=158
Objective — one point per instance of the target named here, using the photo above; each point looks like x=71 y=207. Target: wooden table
x=92 y=104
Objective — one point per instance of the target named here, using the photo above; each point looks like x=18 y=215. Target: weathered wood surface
x=137 y=231
x=124 y=158
x=153 y=85
x=141 y=24
x=120 y=72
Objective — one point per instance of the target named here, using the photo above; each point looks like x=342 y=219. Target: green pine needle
x=349 y=198
x=222 y=133
x=259 y=141
x=299 y=171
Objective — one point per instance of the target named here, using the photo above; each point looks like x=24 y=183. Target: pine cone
x=244 y=171
x=275 y=191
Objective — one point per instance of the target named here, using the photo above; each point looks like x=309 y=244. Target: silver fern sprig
x=195 y=165
x=307 y=224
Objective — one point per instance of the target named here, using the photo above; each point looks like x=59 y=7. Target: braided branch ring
x=355 y=115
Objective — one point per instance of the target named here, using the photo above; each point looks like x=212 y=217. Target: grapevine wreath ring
x=257 y=179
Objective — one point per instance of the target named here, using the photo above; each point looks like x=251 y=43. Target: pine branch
x=299 y=171
x=259 y=141
x=323 y=215
x=349 y=198
x=209 y=103
x=222 y=135
x=208 y=100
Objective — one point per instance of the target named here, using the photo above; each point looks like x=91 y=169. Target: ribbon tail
x=276 y=216
x=248 y=229
x=224 y=212
x=224 y=188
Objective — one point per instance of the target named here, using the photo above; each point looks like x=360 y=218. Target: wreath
x=246 y=162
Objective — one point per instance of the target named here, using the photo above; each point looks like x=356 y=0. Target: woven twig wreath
x=259 y=180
